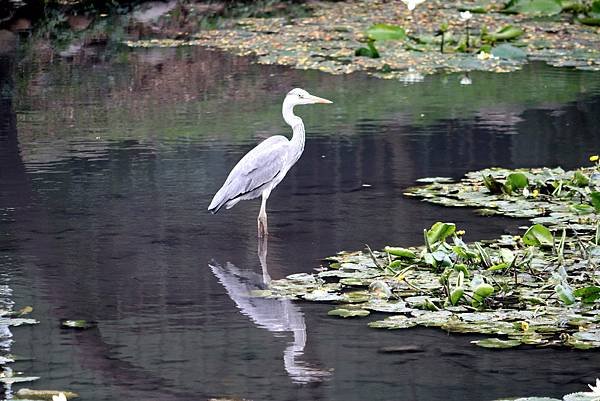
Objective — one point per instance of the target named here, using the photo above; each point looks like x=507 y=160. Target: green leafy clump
x=537 y=289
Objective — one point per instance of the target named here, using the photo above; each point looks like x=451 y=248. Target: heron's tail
x=216 y=205
x=219 y=200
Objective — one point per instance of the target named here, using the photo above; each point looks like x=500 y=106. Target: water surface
x=109 y=160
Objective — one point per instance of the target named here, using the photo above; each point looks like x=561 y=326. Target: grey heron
x=262 y=168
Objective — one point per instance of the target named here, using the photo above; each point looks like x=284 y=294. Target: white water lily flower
x=465 y=15
x=412 y=4
x=60 y=397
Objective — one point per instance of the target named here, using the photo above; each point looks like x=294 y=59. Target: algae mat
x=538 y=289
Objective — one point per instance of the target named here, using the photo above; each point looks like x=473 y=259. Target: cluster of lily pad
x=448 y=41
x=328 y=39
x=539 y=289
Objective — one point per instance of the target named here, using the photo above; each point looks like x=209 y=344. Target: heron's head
x=300 y=96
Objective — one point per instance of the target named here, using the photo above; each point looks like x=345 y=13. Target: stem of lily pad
x=414 y=287
x=373 y=257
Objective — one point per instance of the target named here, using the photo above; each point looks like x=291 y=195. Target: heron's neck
x=297 y=126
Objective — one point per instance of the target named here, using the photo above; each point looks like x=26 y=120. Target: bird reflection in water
x=276 y=315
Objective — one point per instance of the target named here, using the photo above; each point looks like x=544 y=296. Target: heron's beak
x=316 y=99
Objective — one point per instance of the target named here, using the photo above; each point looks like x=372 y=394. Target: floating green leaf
x=588 y=294
x=582 y=209
x=386 y=32
x=592 y=21
x=508 y=32
x=595 y=197
x=511 y=52
x=496 y=343
x=483 y=291
x=440 y=231
x=401 y=252
x=538 y=235
x=341 y=312
x=456 y=295
x=535 y=7
x=394 y=322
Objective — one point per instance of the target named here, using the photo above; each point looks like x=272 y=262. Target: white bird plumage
x=262 y=168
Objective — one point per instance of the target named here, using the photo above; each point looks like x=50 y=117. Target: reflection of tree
x=12 y=171
x=275 y=315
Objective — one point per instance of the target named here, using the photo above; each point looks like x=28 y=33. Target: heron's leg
x=262 y=257
x=262 y=216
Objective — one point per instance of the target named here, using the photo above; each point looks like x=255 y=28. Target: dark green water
x=109 y=160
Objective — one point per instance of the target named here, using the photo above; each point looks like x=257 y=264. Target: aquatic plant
x=327 y=41
x=380 y=32
x=540 y=288
x=411 y=5
x=465 y=16
x=586 y=12
x=441 y=32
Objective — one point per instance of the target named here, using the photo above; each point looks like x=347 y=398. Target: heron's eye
x=300 y=95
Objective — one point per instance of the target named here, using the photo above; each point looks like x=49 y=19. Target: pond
x=108 y=161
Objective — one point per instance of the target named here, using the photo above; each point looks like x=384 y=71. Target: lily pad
x=401 y=252
x=394 y=322
x=538 y=235
x=386 y=32
x=341 y=312
x=496 y=343
x=509 y=52
x=535 y=7
x=440 y=231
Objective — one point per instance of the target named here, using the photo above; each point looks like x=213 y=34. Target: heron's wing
x=256 y=169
